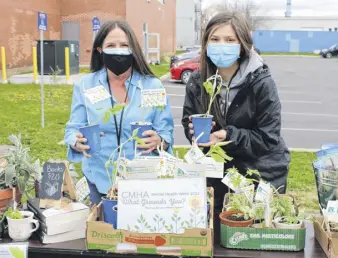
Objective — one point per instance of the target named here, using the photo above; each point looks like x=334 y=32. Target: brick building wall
x=18 y=27
x=18 y=23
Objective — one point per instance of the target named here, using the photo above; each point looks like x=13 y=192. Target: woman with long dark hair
x=118 y=68
x=247 y=111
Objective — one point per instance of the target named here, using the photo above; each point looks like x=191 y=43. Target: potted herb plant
x=19 y=171
x=259 y=218
x=203 y=122
x=289 y=222
x=239 y=212
x=20 y=224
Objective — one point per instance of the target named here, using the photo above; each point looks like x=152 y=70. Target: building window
x=330 y=29
x=335 y=29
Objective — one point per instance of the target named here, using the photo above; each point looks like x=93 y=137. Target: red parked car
x=182 y=70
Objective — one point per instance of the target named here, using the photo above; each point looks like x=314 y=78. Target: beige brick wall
x=18 y=23
x=18 y=27
x=161 y=18
x=83 y=11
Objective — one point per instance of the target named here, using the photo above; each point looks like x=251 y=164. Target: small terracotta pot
x=6 y=196
x=240 y=224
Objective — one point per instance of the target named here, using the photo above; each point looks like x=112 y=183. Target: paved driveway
x=308 y=89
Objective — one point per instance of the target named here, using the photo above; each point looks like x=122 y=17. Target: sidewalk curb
x=164 y=77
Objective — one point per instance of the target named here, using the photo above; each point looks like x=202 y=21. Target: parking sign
x=96 y=24
x=42 y=21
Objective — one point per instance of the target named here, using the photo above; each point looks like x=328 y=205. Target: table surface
x=77 y=248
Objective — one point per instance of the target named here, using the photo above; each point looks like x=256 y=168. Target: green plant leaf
x=160 y=108
x=16 y=252
x=223 y=143
x=106 y=117
x=135 y=132
x=139 y=141
x=208 y=88
x=9 y=174
x=117 y=108
x=21 y=185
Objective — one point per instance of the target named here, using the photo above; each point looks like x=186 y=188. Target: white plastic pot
x=280 y=225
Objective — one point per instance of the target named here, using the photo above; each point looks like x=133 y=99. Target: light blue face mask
x=117 y=51
x=223 y=54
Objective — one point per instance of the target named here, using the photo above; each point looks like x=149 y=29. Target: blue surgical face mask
x=223 y=54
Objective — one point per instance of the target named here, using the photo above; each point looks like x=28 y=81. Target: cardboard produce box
x=193 y=242
x=263 y=238
x=327 y=240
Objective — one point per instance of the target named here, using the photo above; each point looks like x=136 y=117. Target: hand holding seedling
x=80 y=145
x=151 y=142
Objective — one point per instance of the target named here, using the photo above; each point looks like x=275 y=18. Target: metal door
x=71 y=30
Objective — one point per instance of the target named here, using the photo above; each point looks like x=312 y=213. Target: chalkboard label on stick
x=52 y=180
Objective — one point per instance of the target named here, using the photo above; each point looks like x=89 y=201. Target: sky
x=299 y=7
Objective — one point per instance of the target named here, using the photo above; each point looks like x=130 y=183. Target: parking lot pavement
x=308 y=89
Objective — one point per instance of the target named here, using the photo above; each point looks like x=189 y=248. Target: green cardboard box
x=263 y=238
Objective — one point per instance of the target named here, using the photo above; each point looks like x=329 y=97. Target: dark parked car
x=184 y=56
x=328 y=53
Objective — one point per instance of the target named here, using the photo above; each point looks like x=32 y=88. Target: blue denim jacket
x=94 y=167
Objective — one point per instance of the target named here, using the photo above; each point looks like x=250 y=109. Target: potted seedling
x=109 y=202
x=20 y=224
x=289 y=222
x=239 y=212
x=259 y=218
x=18 y=173
x=203 y=122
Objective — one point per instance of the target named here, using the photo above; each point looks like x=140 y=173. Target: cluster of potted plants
x=241 y=209
x=19 y=178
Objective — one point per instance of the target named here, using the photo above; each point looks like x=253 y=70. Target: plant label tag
x=263 y=192
x=172 y=163
x=14 y=250
x=234 y=180
x=141 y=169
x=214 y=169
x=332 y=211
x=190 y=170
x=248 y=191
x=97 y=94
x=161 y=164
x=82 y=189
x=122 y=166
x=193 y=155
x=153 y=97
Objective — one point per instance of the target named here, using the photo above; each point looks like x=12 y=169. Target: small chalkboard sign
x=52 y=180
x=55 y=180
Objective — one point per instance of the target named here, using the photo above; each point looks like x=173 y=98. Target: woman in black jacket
x=247 y=112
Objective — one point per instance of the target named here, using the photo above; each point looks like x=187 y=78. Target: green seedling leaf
x=216 y=157
x=16 y=252
x=139 y=141
x=160 y=108
x=135 y=132
x=251 y=172
x=223 y=143
x=106 y=117
x=117 y=108
x=208 y=88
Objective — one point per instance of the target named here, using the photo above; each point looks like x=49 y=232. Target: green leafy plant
x=239 y=202
x=13 y=214
x=282 y=206
x=236 y=178
x=20 y=170
x=113 y=111
x=213 y=87
x=218 y=153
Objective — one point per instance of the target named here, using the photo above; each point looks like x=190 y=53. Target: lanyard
x=119 y=130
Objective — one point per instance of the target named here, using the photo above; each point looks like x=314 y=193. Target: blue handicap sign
x=96 y=24
x=42 y=21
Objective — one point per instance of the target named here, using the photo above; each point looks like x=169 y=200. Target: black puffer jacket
x=253 y=124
